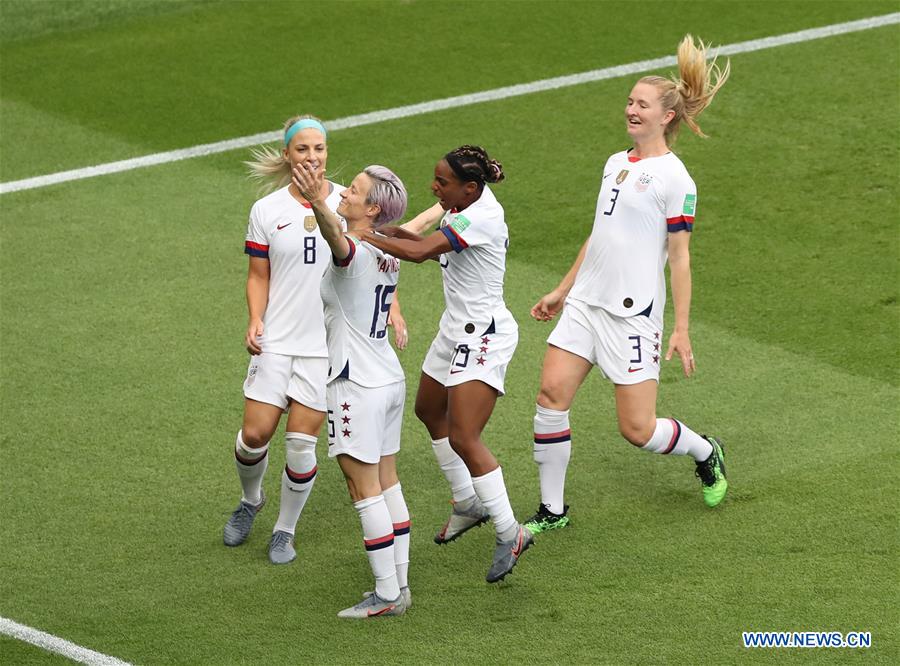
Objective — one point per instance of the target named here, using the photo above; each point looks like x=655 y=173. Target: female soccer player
x=366 y=386
x=285 y=336
x=465 y=367
x=615 y=292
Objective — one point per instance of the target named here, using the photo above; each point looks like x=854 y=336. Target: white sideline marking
x=446 y=103
x=57 y=645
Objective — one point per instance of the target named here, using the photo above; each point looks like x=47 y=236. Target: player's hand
x=308 y=180
x=680 y=343
x=401 y=332
x=389 y=230
x=252 y=340
x=549 y=306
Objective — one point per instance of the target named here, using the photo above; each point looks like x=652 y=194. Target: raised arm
x=310 y=185
x=680 y=273
x=550 y=305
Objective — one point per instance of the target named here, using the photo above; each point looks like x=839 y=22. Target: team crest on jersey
x=643 y=182
x=690 y=203
x=460 y=224
x=623 y=174
x=251 y=374
x=309 y=222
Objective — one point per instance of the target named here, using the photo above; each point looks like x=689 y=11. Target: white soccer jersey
x=473 y=273
x=285 y=232
x=357 y=293
x=640 y=202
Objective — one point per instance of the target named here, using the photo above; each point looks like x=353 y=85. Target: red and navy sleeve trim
x=256 y=249
x=680 y=223
x=343 y=263
x=456 y=241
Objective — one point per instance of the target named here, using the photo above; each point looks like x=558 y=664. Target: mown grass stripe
x=421 y=108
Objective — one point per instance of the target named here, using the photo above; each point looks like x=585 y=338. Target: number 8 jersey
x=285 y=232
x=357 y=293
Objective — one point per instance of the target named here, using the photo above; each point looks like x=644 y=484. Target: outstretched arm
x=550 y=305
x=425 y=219
x=310 y=185
x=411 y=250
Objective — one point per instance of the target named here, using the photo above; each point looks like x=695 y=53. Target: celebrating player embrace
x=366 y=386
x=615 y=293
x=464 y=370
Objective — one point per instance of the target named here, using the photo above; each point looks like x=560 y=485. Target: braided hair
x=472 y=164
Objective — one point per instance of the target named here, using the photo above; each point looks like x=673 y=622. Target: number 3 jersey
x=640 y=202
x=285 y=232
x=357 y=293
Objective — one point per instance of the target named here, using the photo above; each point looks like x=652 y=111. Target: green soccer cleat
x=545 y=520
x=711 y=473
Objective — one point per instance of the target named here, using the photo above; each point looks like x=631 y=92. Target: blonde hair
x=269 y=166
x=692 y=90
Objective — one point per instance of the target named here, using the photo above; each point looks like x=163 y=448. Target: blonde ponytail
x=693 y=89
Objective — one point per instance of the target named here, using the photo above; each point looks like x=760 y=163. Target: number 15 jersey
x=357 y=293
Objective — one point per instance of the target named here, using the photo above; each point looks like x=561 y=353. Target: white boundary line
x=57 y=645
x=446 y=103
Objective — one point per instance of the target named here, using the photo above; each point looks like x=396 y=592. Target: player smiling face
x=450 y=190
x=307 y=147
x=353 y=206
x=645 y=117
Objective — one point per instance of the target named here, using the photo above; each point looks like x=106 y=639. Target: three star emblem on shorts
x=345 y=419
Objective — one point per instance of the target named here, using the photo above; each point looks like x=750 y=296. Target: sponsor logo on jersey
x=643 y=182
x=282 y=226
x=309 y=222
x=690 y=203
x=623 y=174
x=460 y=224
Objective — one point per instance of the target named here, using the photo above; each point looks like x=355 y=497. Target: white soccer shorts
x=627 y=350
x=276 y=378
x=472 y=358
x=364 y=423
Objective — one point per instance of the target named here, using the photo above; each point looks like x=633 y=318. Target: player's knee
x=637 y=433
x=427 y=413
x=550 y=396
x=254 y=437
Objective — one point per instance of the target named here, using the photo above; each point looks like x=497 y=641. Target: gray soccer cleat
x=404 y=592
x=461 y=521
x=374 y=606
x=507 y=553
x=237 y=529
x=281 y=548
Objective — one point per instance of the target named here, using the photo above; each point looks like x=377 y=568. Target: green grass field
x=123 y=318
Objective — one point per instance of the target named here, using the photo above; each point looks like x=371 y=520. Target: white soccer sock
x=675 y=438
x=454 y=469
x=297 y=479
x=552 y=449
x=378 y=535
x=251 y=467
x=492 y=492
x=393 y=498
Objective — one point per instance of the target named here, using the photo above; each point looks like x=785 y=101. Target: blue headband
x=305 y=123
